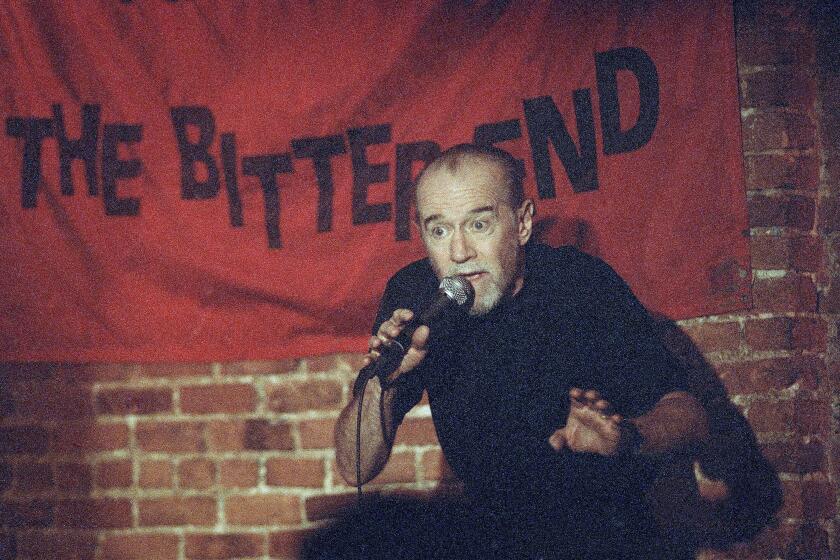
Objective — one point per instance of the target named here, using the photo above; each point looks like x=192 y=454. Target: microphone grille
x=457 y=288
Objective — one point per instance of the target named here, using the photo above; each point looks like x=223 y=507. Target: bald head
x=504 y=165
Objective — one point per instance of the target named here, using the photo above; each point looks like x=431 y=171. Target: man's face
x=469 y=228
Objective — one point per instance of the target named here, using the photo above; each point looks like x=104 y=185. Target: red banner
x=231 y=180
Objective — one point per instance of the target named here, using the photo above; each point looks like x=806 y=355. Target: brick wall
x=217 y=461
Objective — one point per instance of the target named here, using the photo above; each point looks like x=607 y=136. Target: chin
x=485 y=303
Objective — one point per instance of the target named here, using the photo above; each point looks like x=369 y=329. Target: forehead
x=474 y=183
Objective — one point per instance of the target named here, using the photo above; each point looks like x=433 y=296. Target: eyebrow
x=433 y=217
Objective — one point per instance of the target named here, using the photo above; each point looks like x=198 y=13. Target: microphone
x=454 y=293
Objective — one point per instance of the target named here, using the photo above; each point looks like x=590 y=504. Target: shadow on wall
x=728 y=492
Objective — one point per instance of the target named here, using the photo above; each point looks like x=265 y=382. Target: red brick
x=50 y=400
x=55 y=546
x=196 y=473
x=769 y=416
x=772 y=542
x=286 y=545
x=806 y=253
x=811 y=541
x=400 y=468
x=796 y=457
x=801 y=416
x=263 y=509
x=134 y=401
x=435 y=466
x=711 y=337
x=170 y=436
x=782 y=171
x=317 y=434
x=809 y=499
x=239 y=473
x=104 y=372
x=253 y=435
x=813 y=416
x=284 y=471
x=208 y=399
x=327 y=506
x=139 y=547
x=33 y=477
x=226 y=435
x=73 y=477
x=770 y=252
x=24 y=439
x=115 y=474
x=178 y=510
x=301 y=396
x=351 y=361
x=90 y=437
x=156 y=474
x=788 y=293
x=176 y=370
x=416 y=431
x=829 y=214
x=223 y=546
x=792 y=211
x=786 y=333
x=760 y=376
x=261 y=367
x=261 y=435
x=830 y=299
x=29 y=513
x=779 y=87
x=91 y=513
x=767 y=130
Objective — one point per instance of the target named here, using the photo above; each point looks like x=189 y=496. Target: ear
x=525 y=221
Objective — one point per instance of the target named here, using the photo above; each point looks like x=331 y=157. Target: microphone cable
x=359 y=434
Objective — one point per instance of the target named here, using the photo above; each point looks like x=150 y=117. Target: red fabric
x=178 y=282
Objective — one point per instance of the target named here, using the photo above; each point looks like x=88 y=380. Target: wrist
x=631 y=439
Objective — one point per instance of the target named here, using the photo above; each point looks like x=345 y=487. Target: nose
x=460 y=248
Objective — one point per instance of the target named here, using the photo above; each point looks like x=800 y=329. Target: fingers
x=592 y=400
x=420 y=338
x=557 y=440
x=392 y=327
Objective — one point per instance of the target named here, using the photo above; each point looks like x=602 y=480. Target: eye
x=479 y=225
x=437 y=231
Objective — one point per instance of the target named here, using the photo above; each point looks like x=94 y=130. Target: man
x=555 y=394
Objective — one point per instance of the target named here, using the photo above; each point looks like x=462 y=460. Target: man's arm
x=379 y=417
x=676 y=421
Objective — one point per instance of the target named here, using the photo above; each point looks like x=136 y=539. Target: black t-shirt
x=498 y=387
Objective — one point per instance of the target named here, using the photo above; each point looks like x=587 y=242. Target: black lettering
x=266 y=168
x=228 y=141
x=114 y=169
x=365 y=174
x=321 y=150
x=607 y=65
x=33 y=131
x=545 y=123
x=191 y=153
x=84 y=148
x=407 y=154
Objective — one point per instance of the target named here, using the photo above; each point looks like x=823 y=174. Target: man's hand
x=592 y=426
x=389 y=330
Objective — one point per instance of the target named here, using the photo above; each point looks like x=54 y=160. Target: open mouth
x=473 y=276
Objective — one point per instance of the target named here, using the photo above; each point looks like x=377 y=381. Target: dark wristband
x=631 y=439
